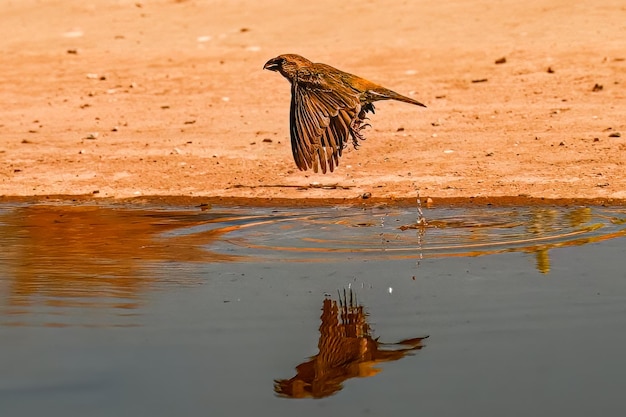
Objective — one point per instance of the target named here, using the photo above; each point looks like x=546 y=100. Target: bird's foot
x=355 y=130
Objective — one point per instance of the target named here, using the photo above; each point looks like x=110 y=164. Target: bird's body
x=327 y=107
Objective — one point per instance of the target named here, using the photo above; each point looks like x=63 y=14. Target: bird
x=328 y=106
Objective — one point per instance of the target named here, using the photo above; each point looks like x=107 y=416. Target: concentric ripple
x=327 y=233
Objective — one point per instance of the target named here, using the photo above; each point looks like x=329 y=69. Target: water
x=135 y=310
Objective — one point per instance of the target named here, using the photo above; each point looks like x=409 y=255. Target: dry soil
x=116 y=99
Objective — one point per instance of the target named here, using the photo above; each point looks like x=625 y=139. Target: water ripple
x=328 y=233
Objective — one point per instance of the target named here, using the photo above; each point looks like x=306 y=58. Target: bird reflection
x=346 y=350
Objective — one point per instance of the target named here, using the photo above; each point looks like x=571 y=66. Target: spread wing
x=322 y=111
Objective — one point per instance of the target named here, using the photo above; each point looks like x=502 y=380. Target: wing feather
x=320 y=120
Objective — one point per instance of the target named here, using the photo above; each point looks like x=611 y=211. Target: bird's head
x=288 y=65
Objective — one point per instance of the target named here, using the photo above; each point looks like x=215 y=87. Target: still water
x=136 y=310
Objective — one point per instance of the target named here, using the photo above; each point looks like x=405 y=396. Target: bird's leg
x=356 y=126
x=355 y=131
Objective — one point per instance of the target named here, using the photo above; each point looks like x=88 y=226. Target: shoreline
x=207 y=202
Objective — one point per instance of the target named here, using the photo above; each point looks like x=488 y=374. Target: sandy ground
x=152 y=98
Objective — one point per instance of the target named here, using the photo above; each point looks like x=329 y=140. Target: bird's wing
x=322 y=111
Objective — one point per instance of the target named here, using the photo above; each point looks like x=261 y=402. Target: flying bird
x=328 y=106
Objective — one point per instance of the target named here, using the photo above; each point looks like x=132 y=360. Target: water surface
x=135 y=310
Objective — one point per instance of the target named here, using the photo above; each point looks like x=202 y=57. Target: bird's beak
x=272 y=65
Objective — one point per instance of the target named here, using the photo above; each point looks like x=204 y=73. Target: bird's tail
x=386 y=94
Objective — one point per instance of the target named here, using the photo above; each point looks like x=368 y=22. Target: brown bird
x=327 y=107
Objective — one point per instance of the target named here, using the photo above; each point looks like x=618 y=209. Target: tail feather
x=386 y=94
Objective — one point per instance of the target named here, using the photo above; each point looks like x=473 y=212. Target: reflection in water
x=546 y=222
x=346 y=350
x=71 y=258
x=543 y=222
x=58 y=262
x=384 y=233
x=536 y=231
